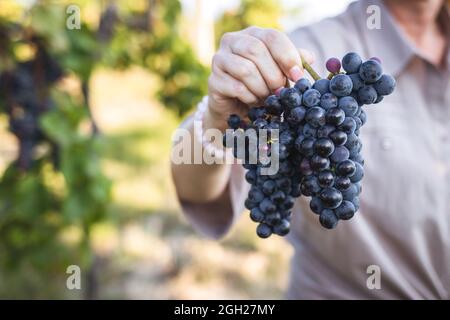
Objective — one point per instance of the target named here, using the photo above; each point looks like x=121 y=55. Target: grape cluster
x=24 y=90
x=319 y=148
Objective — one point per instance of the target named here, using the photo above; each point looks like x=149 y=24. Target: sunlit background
x=121 y=223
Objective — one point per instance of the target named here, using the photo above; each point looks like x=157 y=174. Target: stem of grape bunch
x=310 y=69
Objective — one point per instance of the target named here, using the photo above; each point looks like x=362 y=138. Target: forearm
x=199 y=183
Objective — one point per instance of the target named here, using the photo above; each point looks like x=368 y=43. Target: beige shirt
x=403 y=225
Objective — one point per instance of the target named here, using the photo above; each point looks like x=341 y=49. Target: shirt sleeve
x=214 y=219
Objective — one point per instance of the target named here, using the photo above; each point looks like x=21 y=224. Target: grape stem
x=310 y=70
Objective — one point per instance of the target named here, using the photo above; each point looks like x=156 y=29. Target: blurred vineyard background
x=96 y=189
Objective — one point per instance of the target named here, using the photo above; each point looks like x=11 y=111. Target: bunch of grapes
x=319 y=148
x=24 y=91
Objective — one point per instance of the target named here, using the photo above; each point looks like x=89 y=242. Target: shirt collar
x=393 y=48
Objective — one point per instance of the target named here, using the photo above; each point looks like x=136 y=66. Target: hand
x=250 y=65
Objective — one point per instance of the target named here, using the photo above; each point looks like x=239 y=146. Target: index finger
x=282 y=50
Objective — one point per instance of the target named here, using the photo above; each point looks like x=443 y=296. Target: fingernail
x=295 y=73
x=278 y=91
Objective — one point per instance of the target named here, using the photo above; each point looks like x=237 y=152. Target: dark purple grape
x=234 y=121
x=370 y=71
x=322 y=85
x=311 y=98
x=385 y=85
x=323 y=147
x=316 y=205
x=263 y=230
x=345 y=211
x=351 y=62
x=331 y=197
x=335 y=116
x=340 y=154
x=338 y=137
x=328 y=219
x=341 y=85
x=325 y=178
x=315 y=117
x=273 y=105
x=328 y=101
x=302 y=85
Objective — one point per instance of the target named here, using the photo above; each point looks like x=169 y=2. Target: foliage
x=262 y=13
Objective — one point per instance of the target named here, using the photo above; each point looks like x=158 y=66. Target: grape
x=311 y=98
x=268 y=187
x=256 y=215
x=278 y=197
x=267 y=206
x=234 y=121
x=341 y=85
x=345 y=211
x=325 y=131
x=249 y=204
x=306 y=147
x=333 y=65
x=263 y=230
x=255 y=195
x=335 y=116
x=367 y=94
x=359 y=173
x=328 y=219
x=351 y=192
x=340 y=154
x=309 y=130
x=348 y=105
x=297 y=114
x=302 y=85
x=322 y=85
x=273 y=105
x=370 y=71
x=338 y=137
x=351 y=62
x=328 y=101
x=323 y=147
x=282 y=228
x=316 y=205
x=331 y=197
x=363 y=117
x=385 y=85
x=310 y=185
x=357 y=82
x=376 y=59
x=325 y=178
x=290 y=98
x=348 y=125
x=305 y=167
x=250 y=176
x=315 y=117
x=256 y=113
x=342 y=183
x=319 y=163
x=272 y=218
x=259 y=124
x=346 y=168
